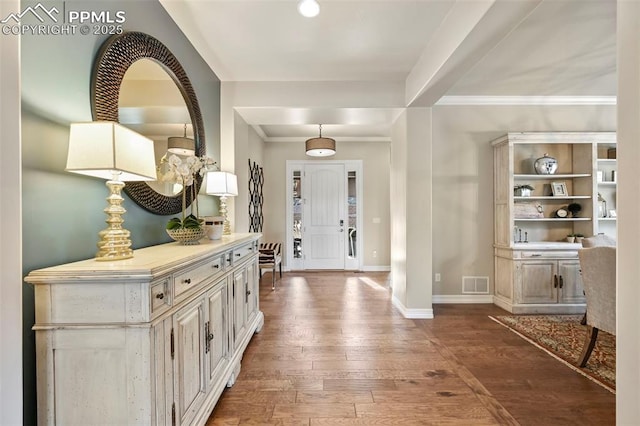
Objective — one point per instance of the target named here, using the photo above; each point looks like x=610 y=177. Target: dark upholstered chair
x=270 y=257
x=598 y=265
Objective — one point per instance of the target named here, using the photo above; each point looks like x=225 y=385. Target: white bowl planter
x=522 y=192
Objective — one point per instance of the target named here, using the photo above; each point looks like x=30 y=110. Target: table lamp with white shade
x=222 y=184
x=107 y=150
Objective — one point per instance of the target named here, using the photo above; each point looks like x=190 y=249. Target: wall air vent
x=475 y=285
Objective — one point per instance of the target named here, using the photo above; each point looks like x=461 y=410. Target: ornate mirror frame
x=114 y=58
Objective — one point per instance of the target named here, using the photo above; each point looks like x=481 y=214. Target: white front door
x=324 y=230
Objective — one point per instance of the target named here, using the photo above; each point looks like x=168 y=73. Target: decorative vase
x=522 y=192
x=213 y=227
x=187 y=236
x=214 y=232
x=546 y=165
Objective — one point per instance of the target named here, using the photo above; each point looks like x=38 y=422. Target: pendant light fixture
x=320 y=147
x=308 y=8
x=181 y=145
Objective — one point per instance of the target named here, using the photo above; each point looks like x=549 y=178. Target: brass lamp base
x=114 y=241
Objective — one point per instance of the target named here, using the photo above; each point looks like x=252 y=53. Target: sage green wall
x=463 y=178
x=62 y=212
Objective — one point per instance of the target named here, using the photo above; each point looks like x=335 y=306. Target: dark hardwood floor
x=334 y=351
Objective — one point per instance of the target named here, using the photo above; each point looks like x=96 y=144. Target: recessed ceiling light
x=308 y=8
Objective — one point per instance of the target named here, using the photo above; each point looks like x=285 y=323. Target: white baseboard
x=376 y=268
x=462 y=298
x=412 y=313
x=504 y=304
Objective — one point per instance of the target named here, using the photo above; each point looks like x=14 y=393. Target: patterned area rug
x=562 y=336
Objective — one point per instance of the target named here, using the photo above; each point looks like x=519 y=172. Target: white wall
x=412 y=213
x=375 y=158
x=628 y=315
x=463 y=178
x=398 y=177
x=420 y=243
x=10 y=235
x=249 y=146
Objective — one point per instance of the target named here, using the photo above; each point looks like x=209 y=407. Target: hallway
x=333 y=351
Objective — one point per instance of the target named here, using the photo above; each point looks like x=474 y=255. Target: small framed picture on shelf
x=559 y=189
x=612 y=213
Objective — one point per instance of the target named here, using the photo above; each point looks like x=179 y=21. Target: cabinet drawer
x=191 y=278
x=160 y=295
x=244 y=251
x=549 y=255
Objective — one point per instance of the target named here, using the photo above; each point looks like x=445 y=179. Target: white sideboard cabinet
x=151 y=340
x=536 y=269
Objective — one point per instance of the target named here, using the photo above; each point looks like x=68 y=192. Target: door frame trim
x=349 y=165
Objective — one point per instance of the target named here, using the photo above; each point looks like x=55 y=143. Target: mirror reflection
x=151 y=104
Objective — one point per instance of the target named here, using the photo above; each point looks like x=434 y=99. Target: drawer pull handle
x=536 y=255
x=187 y=281
x=555 y=281
x=561 y=282
x=237 y=254
x=215 y=266
x=160 y=296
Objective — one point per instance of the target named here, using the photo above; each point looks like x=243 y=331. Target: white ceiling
x=511 y=48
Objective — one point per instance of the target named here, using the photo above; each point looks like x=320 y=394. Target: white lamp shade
x=222 y=184
x=102 y=148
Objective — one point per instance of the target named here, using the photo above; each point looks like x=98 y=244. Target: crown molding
x=527 y=100
x=259 y=131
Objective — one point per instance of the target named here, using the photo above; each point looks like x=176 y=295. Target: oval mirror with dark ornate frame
x=115 y=57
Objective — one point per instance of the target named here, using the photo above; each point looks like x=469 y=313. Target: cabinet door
x=162 y=372
x=239 y=304
x=216 y=344
x=570 y=282
x=538 y=281
x=251 y=293
x=189 y=377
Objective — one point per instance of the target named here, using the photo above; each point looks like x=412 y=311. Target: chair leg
x=589 y=343
x=583 y=321
x=273 y=278
x=280 y=265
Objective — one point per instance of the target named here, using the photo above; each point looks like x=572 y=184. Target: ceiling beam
x=466 y=35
